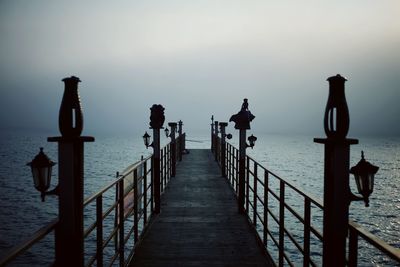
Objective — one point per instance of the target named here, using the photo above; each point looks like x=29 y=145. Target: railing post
x=180 y=139
x=156 y=122
x=281 y=222
x=99 y=231
x=69 y=230
x=145 y=193
x=212 y=133
x=255 y=195
x=163 y=174
x=222 y=126
x=152 y=206
x=336 y=175
x=121 y=223
x=353 y=247
x=247 y=185
x=136 y=208
x=265 y=237
x=173 y=148
x=216 y=148
x=307 y=230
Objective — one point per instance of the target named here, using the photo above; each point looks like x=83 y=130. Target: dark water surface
x=295 y=158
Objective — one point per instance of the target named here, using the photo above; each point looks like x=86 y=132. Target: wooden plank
x=199 y=224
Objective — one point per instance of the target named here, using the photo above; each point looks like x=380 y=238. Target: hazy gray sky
x=199 y=58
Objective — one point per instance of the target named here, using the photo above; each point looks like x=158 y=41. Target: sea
x=295 y=158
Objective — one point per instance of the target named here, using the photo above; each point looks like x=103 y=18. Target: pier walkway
x=199 y=223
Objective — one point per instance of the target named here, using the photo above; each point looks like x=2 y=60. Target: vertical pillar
x=242 y=122
x=336 y=200
x=173 y=148
x=242 y=166
x=212 y=133
x=156 y=170
x=216 y=148
x=223 y=147
x=336 y=175
x=157 y=119
x=180 y=140
x=69 y=231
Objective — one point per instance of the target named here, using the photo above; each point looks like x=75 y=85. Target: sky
x=200 y=58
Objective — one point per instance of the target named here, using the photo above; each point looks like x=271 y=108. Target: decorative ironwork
x=157 y=117
x=243 y=118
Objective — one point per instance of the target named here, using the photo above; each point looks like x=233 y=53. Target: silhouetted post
x=216 y=148
x=223 y=147
x=69 y=230
x=212 y=133
x=157 y=119
x=173 y=148
x=180 y=139
x=337 y=193
x=242 y=122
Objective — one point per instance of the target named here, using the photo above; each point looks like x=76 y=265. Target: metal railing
x=287 y=219
x=132 y=208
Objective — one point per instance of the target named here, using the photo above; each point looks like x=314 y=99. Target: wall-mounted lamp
x=146 y=140
x=364 y=173
x=41 y=167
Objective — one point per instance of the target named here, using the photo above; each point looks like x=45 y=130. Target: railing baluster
x=353 y=247
x=255 y=195
x=116 y=216
x=237 y=171
x=162 y=164
x=247 y=184
x=281 y=222
x=307 y=230
x=232 y=164
x=168 y=155
x=121 y=224
x=99 y=231
x=152 y=183
x=145 y=193
x=265 y=233
x=135 y=206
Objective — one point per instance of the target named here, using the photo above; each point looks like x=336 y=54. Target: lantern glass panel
x=42 y=178
x=359 y=183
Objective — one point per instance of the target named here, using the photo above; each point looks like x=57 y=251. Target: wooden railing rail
x=263 y=188
x=133 y=208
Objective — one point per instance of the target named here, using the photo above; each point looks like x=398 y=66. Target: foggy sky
x=199 y=58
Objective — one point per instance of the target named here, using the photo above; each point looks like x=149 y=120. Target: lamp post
x=242 y=122
x=173 y=147
x=69 y=230
x=222 y=126
x=337 y=194
x=157 y=119
x=180 y=123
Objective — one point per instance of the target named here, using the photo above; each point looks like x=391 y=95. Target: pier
x=204 y=207
x=199 y=224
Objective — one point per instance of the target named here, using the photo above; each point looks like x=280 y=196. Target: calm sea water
x=295 y=158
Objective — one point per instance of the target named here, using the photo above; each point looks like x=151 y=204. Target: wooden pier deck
x=199 y=223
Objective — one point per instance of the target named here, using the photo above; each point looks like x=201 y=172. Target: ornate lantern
x=41 y=167
x=364 y=173
x=146 y=140
x=252 y=140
